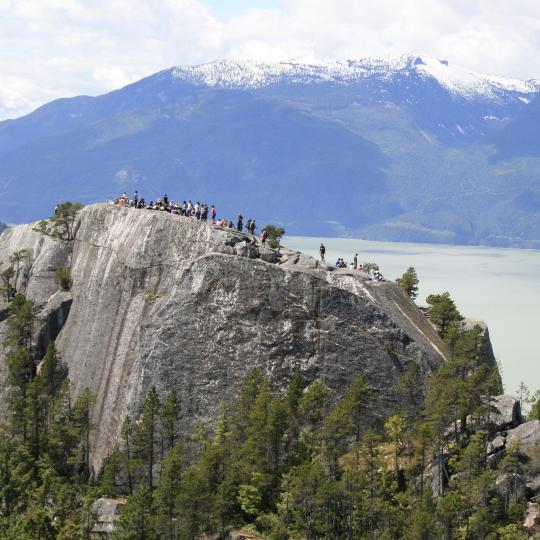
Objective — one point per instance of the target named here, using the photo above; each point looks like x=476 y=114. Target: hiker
x=136 y=199
x=213 y=213
x=355 y=261
x=240 y=223
x=264 y=236
x=322 y=251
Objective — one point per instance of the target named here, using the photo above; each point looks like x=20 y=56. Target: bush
x=369 y=266
x=62 y=277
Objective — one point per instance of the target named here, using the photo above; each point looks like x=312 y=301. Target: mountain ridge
x=253 y=74
x=397 y=158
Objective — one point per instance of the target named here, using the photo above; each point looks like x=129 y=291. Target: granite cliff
x=158 y=299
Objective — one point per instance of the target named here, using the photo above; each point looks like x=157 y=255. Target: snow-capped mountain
x=457 y=81
x=405 y=148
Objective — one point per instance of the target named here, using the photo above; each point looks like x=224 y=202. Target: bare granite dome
x=159 y=299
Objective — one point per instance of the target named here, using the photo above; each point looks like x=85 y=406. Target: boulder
x=533 y=485
x=505 y=413
x=511 y=487
x=307 y=262
x=243 y=249
x=497 y=444
x=527 y=435
x=531 y=519
x=268 y=255
x=106 y=512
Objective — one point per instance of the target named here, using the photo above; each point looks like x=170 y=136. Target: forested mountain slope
x=407 y=149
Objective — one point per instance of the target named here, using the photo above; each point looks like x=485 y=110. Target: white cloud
x=58 y=48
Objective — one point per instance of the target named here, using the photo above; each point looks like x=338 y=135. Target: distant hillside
x=406 y=149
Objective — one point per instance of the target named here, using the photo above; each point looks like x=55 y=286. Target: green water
x=499 y=286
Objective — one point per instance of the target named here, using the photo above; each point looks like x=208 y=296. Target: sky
x=60 y=48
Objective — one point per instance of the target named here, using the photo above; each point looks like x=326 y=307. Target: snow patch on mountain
x=459 y=82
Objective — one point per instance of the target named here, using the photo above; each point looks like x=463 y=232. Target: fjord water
x=499 y=286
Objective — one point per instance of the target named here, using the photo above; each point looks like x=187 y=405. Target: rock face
x=163 y=300
x=35 y=277
x=527 y=435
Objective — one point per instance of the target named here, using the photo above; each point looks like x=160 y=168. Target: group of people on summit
x=372 y=270
x=203 y=212
x=200 y=211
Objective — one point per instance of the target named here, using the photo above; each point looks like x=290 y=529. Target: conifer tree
x=195 y=505
x=16 y=259
x=443 y=311
x=127 y=437
x=166 y=494
x=63 y=224
x=169 y=415
x=136 y=519
x=355 y=401
x=82 y=419
x=7 y=275
x=146 y=434
x=409 y=282
x=395 y=427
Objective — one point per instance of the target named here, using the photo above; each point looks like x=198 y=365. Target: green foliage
x=300 y=462
x=146 y=435
x=7 y=276
x=137 y=518
x=63 y=224
x=534 y=413
x=443 y=311
x=44 y=487
x=62 y=277
x=369 y=266
x=274 y=235
x=409 y=282
x=16 y=258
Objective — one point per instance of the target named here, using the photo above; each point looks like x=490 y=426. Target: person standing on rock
x=264 y=236
x=355 y=261
x=136 y=199
x=213 y=213
x=240 y=223
x=322 y=251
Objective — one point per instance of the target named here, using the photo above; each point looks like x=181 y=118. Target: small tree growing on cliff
x=16 y=259
x=62 y=225
x=274 y=235
x=62 y=277
x=409 y=282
